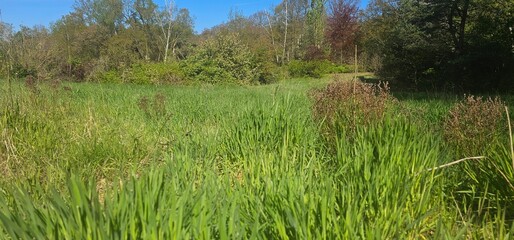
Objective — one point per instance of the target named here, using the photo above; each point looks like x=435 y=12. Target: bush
x=343 y=105
x=222 y=59
x=473 y=124
x=141 y=73
x=154 y=73
x=111 y=76
x=315 y=69
x=269 y=73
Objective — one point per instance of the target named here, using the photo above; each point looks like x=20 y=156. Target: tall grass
x=229 y=162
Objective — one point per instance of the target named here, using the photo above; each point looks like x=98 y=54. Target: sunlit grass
x=230 y=162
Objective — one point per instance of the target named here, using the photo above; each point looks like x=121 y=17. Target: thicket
x=222 y=59
x=315 y=68
x=460 y=46
x=143 y=73
x=142 y=42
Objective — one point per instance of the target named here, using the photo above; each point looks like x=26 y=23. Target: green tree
x=68 y=32
x=289 y=23
x=177 y=32
x=105 y=13
x=451 y=44
x=316 y=21
x=143 y=19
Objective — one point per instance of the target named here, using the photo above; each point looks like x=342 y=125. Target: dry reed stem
x=510 y=136
x=455 y=162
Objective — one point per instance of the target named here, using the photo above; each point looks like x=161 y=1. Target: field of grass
x=98 y=161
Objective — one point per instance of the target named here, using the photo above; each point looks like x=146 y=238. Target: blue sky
x=207 y=13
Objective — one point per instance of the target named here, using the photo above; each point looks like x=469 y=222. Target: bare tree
x=285 y=32
x=265 y=20
x=6 y=55
x=166 y=25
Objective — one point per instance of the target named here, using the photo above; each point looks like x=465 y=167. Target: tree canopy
x=455 y=45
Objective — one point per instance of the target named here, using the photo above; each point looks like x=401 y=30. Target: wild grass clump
x=269 y=129
x=155 y=107
x=343 y=105
x=32 y=84
x=477 y=127
x=473 y=124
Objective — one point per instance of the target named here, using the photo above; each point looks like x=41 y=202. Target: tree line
x=419 y=44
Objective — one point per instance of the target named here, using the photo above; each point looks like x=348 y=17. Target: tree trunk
x=285 y=37
x=167 y=32
x=458 y=32
x=277 y=58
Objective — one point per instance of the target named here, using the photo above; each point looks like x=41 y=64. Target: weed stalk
x=510 y=136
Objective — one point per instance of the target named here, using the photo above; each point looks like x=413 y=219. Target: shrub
x=222 y=59
x=315 y=69
x=473 y=124
x=111 y=76
x=155 y=108
x=269 y=73
x=154 y=73
x=343 y=105
x=303 y=69
x=140 y=73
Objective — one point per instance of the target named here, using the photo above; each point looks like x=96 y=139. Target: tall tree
x=6 y=34
x=457 y=21
x=143 y=18
x=105 y=13
x=182 y=34
x=316 y=19
x=289 y=21
x=67 y=32
x=176 y=29
x=342 y=23
x=264 y=19
x=34 y=51
x=454 y=44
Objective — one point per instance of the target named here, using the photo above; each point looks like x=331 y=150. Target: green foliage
x=120 y=48
x=154 y=73
x=142 y=73
x=316 y=21
x=111 y=76
x=448 y=45
x=315 y=69
x=269 y=73
x=222 y=59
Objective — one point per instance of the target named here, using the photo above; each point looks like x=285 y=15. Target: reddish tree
x=342 y=24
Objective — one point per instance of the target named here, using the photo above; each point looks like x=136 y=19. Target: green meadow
x=121 y=161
